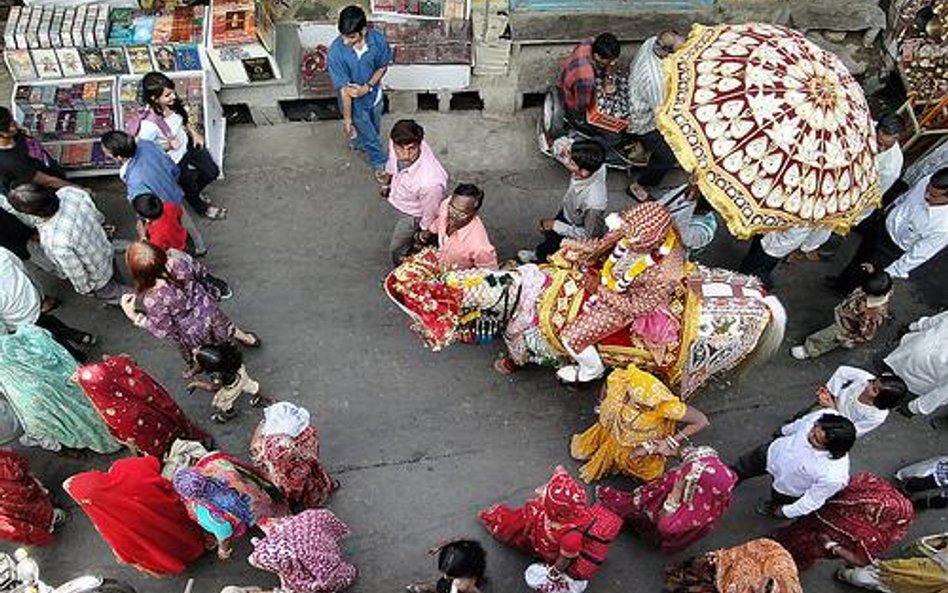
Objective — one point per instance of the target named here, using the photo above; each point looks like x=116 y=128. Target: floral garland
x=640 y=265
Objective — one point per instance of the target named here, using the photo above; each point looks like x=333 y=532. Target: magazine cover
x=139 y=59
x=70 y=62
x=21 y=64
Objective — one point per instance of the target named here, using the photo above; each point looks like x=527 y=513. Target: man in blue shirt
x=358 y=59
x=147 y=169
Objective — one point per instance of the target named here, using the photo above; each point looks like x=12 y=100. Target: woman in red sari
x=857 y=525
x=136 y=408
x=139 y=515
x=556 y=526
x=27 y=515
x=286 y=448
x=680 y=507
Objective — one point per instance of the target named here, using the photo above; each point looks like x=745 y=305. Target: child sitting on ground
x=229 y=379
x=857 y=318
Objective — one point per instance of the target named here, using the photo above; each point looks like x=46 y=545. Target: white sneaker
x=799 y=352
x=526 y=256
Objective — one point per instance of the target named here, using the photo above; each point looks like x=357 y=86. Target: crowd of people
x=187 y=497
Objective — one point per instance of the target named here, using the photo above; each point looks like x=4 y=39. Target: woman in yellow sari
x=636 y=430
x=922 y=569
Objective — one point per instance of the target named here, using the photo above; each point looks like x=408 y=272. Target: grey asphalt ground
x=422 y=441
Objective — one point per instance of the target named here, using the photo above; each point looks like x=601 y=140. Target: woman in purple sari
x=174 y=304
x=680 y=507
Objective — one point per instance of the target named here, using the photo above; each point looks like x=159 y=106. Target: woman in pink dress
x=680 y=507
x=305 y=551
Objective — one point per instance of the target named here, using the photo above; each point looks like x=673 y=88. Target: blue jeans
x=368 y=125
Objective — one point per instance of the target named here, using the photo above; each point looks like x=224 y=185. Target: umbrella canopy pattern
x=776 y=130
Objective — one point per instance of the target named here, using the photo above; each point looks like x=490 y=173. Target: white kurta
x=646 y=88
x=921 y=360
x=19 y=298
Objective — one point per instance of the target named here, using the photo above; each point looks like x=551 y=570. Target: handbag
x=541 y=578
x=201 y=161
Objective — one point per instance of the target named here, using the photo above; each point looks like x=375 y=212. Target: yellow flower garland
x=640 y=265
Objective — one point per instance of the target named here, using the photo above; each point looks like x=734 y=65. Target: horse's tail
x=770 y=339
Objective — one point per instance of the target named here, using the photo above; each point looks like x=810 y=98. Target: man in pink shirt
x=418 y=183
x=461 y=236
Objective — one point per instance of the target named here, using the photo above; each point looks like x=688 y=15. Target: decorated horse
x=628 y=298
x=726 y=319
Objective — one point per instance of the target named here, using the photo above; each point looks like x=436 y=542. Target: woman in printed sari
x=54 y=412
x=286 y=448
x=173 y=303
x=226 y=498
x=758 y=566
x=857 y=525
x=680 y=507
x=137 y=410
x=27 y=515
x=921 y=568
x=139 y=515
x=638 y=417
x=304 y=551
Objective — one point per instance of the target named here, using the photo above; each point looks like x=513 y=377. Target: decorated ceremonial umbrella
x=775 y=129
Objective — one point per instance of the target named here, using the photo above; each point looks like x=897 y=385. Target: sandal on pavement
x=50 y=304
x=506 y=366
x=637 y=193
x=215 y=212
x=260 y=401
x=87 y=340
x=224 y=417
x=255 y=341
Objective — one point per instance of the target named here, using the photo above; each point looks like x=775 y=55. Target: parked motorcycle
x=622 y=151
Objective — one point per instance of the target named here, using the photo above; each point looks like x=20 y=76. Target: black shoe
x=905 y=411
x=218 y=288
x=939 y=422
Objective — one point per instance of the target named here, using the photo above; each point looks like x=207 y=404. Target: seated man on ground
x=458 y=232
x=591 y=59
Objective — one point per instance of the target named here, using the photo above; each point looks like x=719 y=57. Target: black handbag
x=203 y=163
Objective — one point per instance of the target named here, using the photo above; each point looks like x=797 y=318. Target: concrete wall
x=542 y=38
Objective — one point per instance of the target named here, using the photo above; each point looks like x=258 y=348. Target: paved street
x=421 y=441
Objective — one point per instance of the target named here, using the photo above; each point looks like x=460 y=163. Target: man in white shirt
x=768 y=250
x=911 y=231
x=921 y=360
x=71 y=235
x=861 y=397
x=809 y=463
x=646 y=93
x=20 y=305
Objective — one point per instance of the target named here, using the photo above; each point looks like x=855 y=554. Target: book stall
x=74 y=67
x=242 y=42
x=431 y=42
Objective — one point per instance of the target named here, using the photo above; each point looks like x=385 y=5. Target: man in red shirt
x=591 y=59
